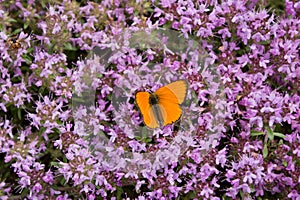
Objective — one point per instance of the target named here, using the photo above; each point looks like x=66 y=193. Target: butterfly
x=14 y=43
x=162 y=107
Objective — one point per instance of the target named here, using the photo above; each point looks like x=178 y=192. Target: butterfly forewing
x=142 y=100
x=179 y=89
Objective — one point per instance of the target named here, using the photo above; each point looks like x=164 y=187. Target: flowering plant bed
x=70 y=127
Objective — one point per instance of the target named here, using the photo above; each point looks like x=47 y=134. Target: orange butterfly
x=161 y=107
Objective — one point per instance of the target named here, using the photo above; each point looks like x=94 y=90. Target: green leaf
x=54 y=187
x=25 y=191
x=29 y=50
x=270 y=134
x=120 y=191
x=25 y=69
x=255 y=133
x=55 y=164
x=284 y=163
x=26 y=25
x=19 y=114
x=27 y=59
x=63 y=181
x=138 y=138
x=6 y=175
x=146 y=140
x=280 y=142
x=242 y=194
x=65 y=160
x=13 y=21
x=42 y=130
x=43 y=2
x=68 y=46
x=16 y=31
x=265 y=151
x=16 y=79
x=279 y=135
x=189 y=195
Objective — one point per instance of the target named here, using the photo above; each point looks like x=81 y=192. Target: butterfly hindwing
x=171 y=112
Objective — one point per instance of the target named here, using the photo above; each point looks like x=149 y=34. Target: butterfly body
x=162 y=107
x=153 y=99
x=154 y=102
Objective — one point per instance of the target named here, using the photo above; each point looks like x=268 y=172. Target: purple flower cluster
x=69 y=125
